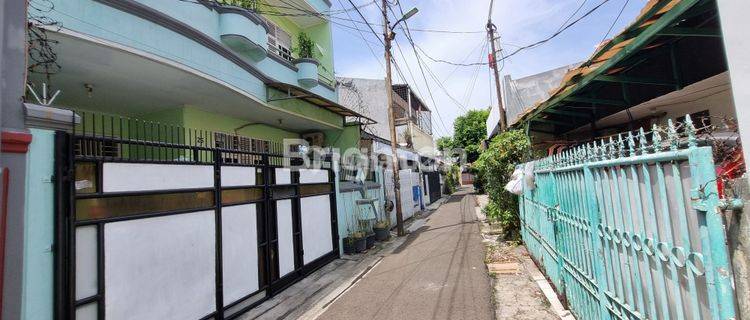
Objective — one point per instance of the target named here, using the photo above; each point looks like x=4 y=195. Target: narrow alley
x=438 y=273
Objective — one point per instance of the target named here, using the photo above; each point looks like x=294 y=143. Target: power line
x=557 y=33
x=619 y=14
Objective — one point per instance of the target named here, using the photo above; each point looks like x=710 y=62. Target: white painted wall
x=160 y=268
x=317 y=236
x=286 y=239
x=408 y=179
x=239 y=251
x=233 y=176
x=734 y=26
x=121 y=177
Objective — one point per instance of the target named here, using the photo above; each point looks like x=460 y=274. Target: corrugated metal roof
x=610 y=52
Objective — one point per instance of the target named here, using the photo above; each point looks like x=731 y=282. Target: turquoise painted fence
x=631 y=228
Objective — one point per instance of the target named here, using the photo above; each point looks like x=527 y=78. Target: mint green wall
x=39 y=227
x=101 y=21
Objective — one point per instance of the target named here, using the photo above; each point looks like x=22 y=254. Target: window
x=243 y=144
x=96 y=148
x=279 y=41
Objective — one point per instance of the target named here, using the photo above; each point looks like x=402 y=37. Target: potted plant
x=360 y=242
x=349 y=245
x=382 y=230
x=307 y=65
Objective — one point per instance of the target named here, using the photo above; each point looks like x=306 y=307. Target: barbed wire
x=42 y=56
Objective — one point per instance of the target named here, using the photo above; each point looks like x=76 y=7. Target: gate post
x=706 y=199
x=219 y=274
x=593 y=209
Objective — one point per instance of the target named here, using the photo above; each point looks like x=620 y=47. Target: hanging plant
x=305 y=46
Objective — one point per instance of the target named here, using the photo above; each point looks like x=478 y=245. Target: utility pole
x=491 y=28
x=387 y=37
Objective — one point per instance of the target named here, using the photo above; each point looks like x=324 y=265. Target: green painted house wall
x=343 y=139
x=320 y=33
x=195 y=118
x=306 y=110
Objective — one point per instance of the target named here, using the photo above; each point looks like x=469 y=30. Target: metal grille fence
x=266 y=219
x=631 y=228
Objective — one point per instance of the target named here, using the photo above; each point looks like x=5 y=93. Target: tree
x=468 y=132
x=445 y=143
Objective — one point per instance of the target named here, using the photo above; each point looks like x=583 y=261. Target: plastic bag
x=515 y=185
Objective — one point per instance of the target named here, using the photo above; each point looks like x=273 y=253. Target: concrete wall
x=12 y=79
x=733 y=14
x=368 y=97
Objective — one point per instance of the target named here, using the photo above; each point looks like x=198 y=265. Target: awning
x=671 y=44
x=294 y=92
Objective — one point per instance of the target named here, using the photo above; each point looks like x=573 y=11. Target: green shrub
x=450 y=181
x=495 y=166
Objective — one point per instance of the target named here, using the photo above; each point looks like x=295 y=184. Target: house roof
x=635 y=66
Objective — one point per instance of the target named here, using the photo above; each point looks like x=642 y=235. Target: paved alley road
x=438 y=273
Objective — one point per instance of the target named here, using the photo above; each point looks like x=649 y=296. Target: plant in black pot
x=382 y=230
x=349 y=245
x=360 y=242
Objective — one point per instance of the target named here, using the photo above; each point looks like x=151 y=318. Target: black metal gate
x=433 y=180
x=136 y=198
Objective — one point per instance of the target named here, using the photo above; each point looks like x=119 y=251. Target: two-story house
x=163 y=127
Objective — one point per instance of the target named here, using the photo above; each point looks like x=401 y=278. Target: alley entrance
x=437 y=273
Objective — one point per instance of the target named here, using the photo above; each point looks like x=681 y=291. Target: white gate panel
x=239 y=246
x=86 y=264
x=160 y=268
x=286 y=236
x=317 y=236
x=121 y=177
x=234 y=176
x=283 y=176
x=313 y=176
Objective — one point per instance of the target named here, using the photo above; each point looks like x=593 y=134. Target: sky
x=359 y=54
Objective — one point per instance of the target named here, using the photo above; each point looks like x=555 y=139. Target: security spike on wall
x=631 y=144
x=690 y=130
x=620 y=146
x=643 y=141
x=656 y=138
x=612 y=151
x=672 y=136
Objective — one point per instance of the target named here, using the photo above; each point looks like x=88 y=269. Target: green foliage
x=305 y=46
x=450 y=182
x=251 y=5
x=495 y=166
x=468 y=132
x=445 y=143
